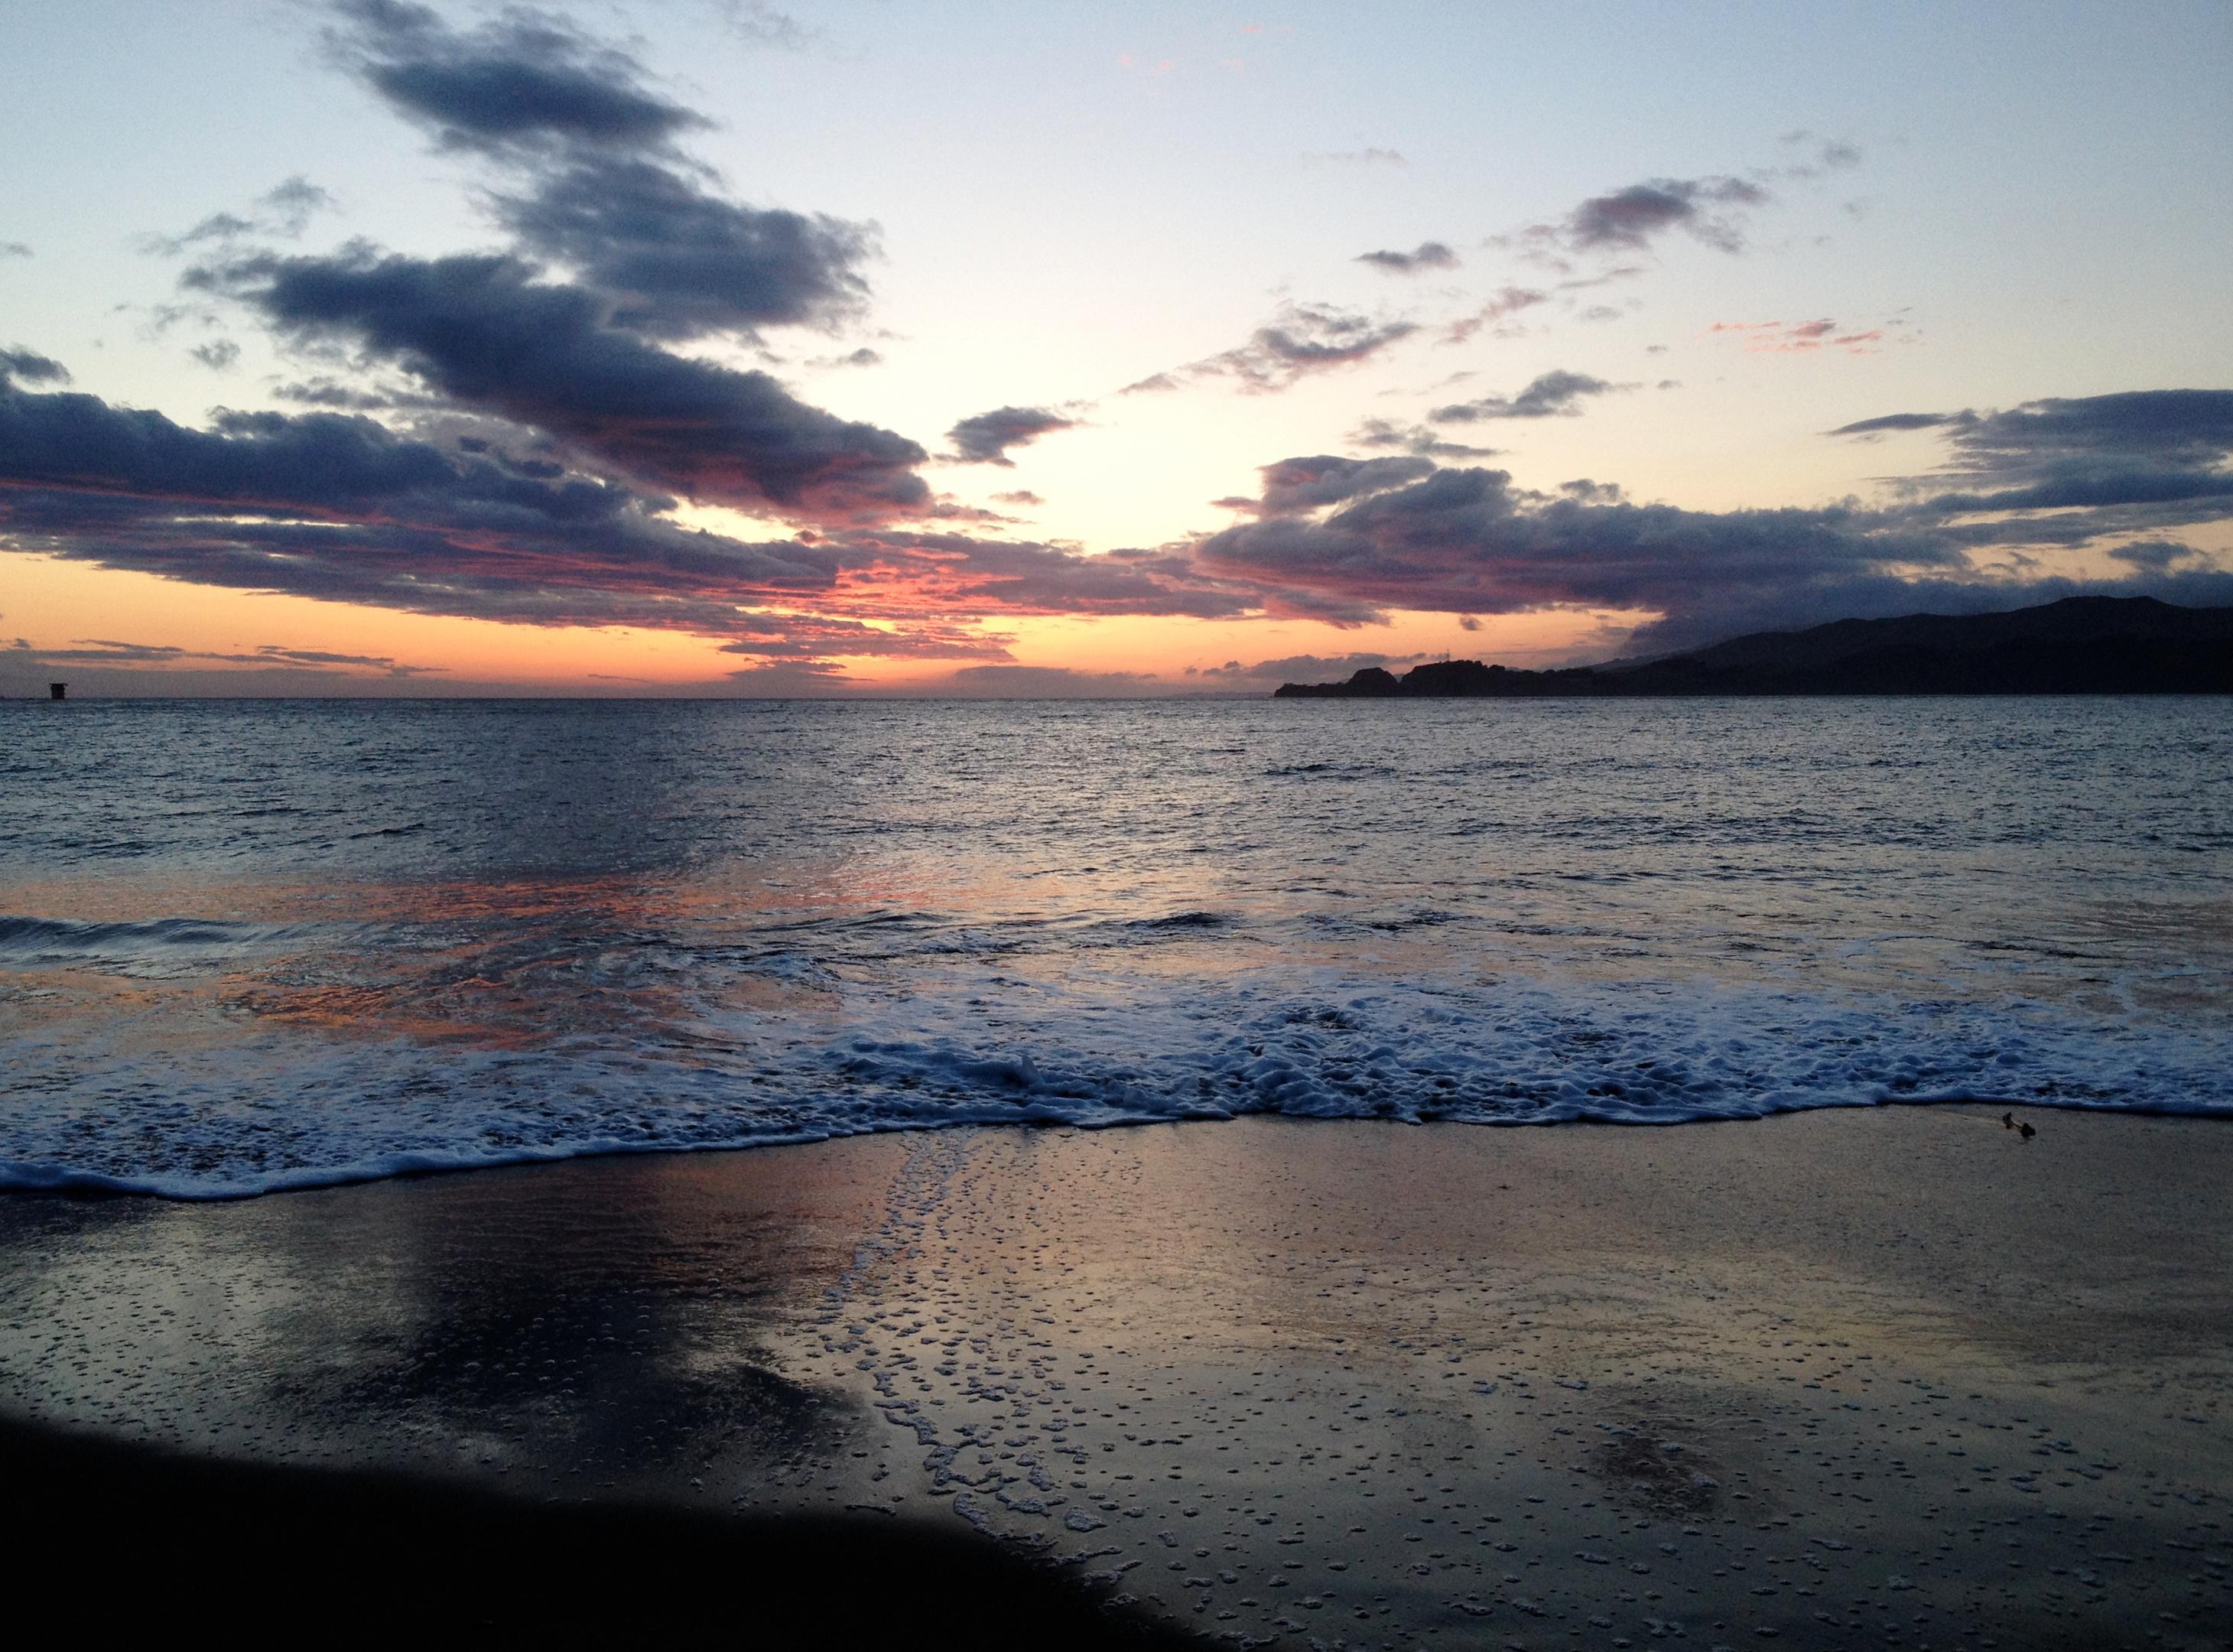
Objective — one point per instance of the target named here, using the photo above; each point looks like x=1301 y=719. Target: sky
x=704 y=347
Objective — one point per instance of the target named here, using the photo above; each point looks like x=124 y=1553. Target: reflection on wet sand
x=618 y=1325
x=1884 y=1371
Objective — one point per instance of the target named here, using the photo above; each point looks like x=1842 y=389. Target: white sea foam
x=280 y=1111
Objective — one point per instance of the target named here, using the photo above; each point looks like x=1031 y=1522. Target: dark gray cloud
x=2047 y=476
x=217 y=226
x=1422 y=439
x=338 y=507
x=2157 y=556
x=894 y=573
x=485 y=334
x=30 y=368
x=1293 y=486
x=336 y=397
x=1713 y=210
x=1427 y=255
x=985 y=438
x=1467 y=541
x=1631 y=218
x=287 y=211
x=217 y=354
x=1303 y=339
x=2142 y=447
x=527 y=80
x=676 y=262
x=601 y=188
x=806 y=637
x=14 y=249
x=1887 y=422
x=1556 y=394
x=95 y=651
x=294 y=202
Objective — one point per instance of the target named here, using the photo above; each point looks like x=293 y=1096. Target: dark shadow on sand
x=135 y=1538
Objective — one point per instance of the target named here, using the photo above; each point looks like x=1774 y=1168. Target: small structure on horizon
x=55 y=691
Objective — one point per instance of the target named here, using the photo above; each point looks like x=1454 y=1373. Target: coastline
x=1893 y=1370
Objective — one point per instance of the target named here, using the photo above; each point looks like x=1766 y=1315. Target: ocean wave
x=23 y=938
x=288 y=1113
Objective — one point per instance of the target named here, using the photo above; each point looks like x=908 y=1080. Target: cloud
x=1713 y=210
x=1355 y=158
x=2046 y=476
x=760 y=24
x=791 y=680
x=1818 y=156
x=217 y=226
x=31 y=367
x=813 y=636
x=985 y=438
x=1888 y=422
x=2168 y=450
x=287 y=210
x=603 y=190
x=2156 y=555
x=1556 y=394
x=1427 y=255
x=338 y=507
x=953 y=574
x=103 y=666
x=1422 y=439
x=1630 y=220
x=484 y=333
x=1299 y=668
x=1508 y=301
x=1293 y=486
x=294 y=203
x=527 y=80
x=1303 y=339
x=15 y=249
x=676 y=262
x=1017 y=496
x=341 y=398
x=217 y=354
x=1797 y=338
x=99 y=652
x=1467 y=541
x=1046 y=682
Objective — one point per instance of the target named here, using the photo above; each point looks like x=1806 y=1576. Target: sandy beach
x=1891 y=1377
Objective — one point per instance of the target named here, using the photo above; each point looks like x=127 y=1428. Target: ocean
x=250 y=946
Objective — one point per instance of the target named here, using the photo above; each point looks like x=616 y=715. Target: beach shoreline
x=1853 y=1377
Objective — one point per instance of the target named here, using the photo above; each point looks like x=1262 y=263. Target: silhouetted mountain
x=2082 y=645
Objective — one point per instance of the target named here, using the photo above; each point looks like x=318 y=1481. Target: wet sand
x=1865 y=1378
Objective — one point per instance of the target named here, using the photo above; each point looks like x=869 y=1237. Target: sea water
x=253 y=946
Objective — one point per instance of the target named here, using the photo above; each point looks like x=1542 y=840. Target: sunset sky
x=706 y=348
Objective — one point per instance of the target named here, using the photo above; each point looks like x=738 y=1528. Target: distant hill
x=2082 y=645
